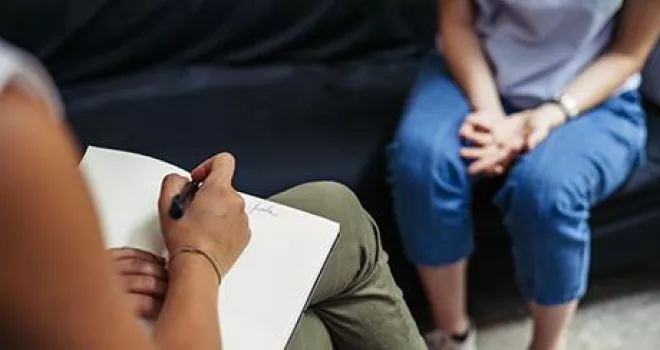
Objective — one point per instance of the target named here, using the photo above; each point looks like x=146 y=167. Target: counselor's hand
x=143 y=277
x=215 y=221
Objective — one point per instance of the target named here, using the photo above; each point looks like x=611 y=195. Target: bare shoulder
x=29 y=130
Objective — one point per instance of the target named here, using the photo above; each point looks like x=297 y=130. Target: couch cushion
x=81 y=40
x=285 y=123
x=651 y=76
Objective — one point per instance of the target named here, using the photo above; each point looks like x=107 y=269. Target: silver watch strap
x=568 y=105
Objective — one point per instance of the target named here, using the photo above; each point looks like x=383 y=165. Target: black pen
x=181 y=200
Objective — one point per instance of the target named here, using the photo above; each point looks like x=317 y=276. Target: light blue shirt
x=537 y=47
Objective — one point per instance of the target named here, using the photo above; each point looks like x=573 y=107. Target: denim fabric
x=546 y=196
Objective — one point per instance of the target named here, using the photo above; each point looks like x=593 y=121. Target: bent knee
x=336 y=202
x=328 y=199
x=415 y=158
x=548 y=197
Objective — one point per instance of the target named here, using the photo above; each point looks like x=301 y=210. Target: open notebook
x=263 y=295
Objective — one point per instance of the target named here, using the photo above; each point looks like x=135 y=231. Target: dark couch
x=298 y=90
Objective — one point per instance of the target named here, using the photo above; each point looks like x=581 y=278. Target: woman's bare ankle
x=559 y=345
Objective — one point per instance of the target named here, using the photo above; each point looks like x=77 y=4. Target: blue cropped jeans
x=546 y=196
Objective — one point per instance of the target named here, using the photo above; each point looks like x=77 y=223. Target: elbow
x=631 y=62
x=635 y=63
x=636 y=60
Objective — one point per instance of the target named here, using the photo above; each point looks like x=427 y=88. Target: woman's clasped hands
x=494 y=140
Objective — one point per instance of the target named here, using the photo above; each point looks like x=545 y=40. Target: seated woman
x=59 y=290
x=543 y=92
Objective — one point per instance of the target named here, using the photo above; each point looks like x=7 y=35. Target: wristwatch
x=568 y=105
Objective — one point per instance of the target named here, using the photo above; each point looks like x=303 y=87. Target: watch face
x=569 y=105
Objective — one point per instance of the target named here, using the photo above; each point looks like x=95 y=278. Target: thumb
x=480 y=120
x=171 y=186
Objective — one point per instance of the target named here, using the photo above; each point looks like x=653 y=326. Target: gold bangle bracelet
x=194 y=250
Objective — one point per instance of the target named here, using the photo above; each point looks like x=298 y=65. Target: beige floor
x=619 y=313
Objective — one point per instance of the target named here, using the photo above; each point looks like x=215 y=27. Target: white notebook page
x=263 y=295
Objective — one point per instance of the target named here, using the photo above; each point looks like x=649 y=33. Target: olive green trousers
x=356 y=305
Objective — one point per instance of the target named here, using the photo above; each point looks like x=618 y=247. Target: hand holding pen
x=205 y=216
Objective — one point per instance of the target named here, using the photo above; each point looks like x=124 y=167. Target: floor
x=618 y=313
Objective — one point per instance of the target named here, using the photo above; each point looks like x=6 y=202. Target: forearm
x=60 y=291
x=602 y=79
x=636 y=34
x=190 y=304
x=467 y=62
